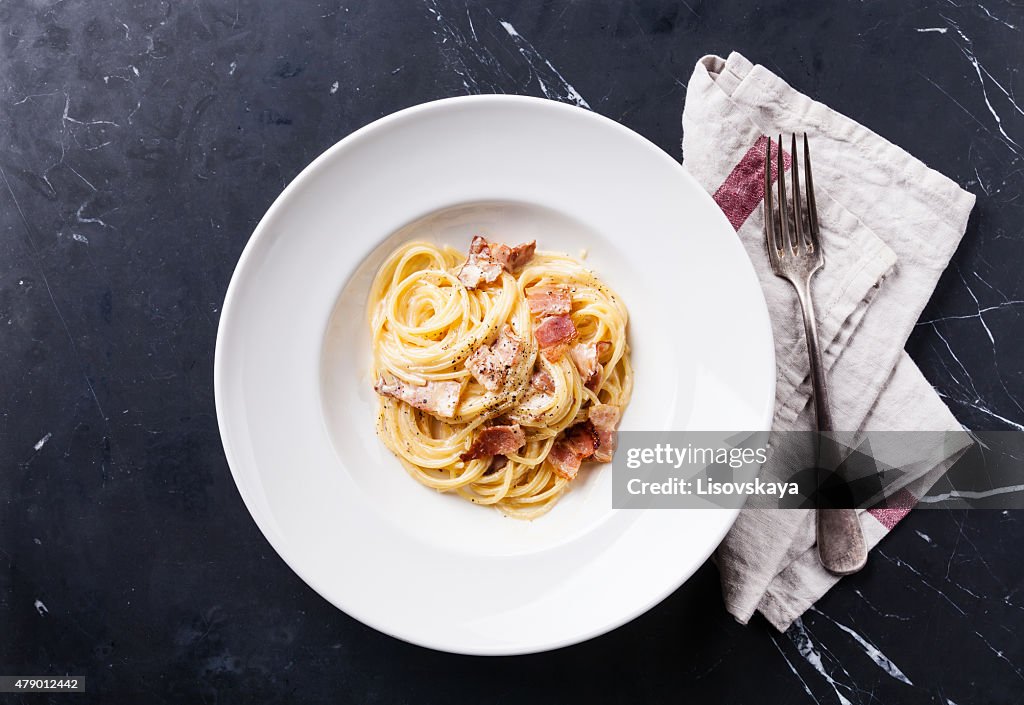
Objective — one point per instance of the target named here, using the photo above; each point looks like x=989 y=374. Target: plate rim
x=239 y=274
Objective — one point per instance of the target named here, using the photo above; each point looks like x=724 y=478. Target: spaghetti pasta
x=497 y=374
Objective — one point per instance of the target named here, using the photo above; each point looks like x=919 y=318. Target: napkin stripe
x=896 y=507
x=743 y=189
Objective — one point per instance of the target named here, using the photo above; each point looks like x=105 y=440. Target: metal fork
x=795 y=254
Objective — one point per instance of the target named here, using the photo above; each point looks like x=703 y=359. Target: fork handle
x=841 y=546
x=822 y=410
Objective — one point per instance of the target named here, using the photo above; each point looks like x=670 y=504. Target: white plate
x=296 y=409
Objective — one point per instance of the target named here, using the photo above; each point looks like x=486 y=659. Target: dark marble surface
x=140 y=142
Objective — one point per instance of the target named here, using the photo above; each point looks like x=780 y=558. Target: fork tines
x=789 y=226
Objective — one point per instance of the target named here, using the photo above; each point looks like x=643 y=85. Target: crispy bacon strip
x=490 y=364
x=549 y=300
x=495 y=440
x=605 y=417
x=553 y=335
x=580 y=442
x=563 y=461
x=594 y=438
x=439 y=398
x=513 y=258
x=487 y=259
x=542 y=381
x=582 y=439
x=480 y=266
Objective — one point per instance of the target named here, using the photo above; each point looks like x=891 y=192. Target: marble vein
x=555 y=86
x=872 y=651
x=801 y=639
x=971 y=494
x=880 y=613
x=920 y=576
x=42 y=442
x=1000 y=655
x=967 y=50
x=465 y=56
x=997 y=19
x=792 y=668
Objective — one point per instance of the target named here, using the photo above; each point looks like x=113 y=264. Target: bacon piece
x=486 y=260
x=479 y=247
x=594 y=437
x=556 y=353
x=513 y=258
x=439 y=398
x=554 y=334
x=495 y=440
x=542 y=381
x=585 y=356
x=554 y=330
x=549 y=300
x=605 y=417
x=563 y=461
x=490 y=364
x=582 y=439
x=480 y=266
x=580 y=442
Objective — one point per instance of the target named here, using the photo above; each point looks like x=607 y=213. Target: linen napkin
x=889 y=225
